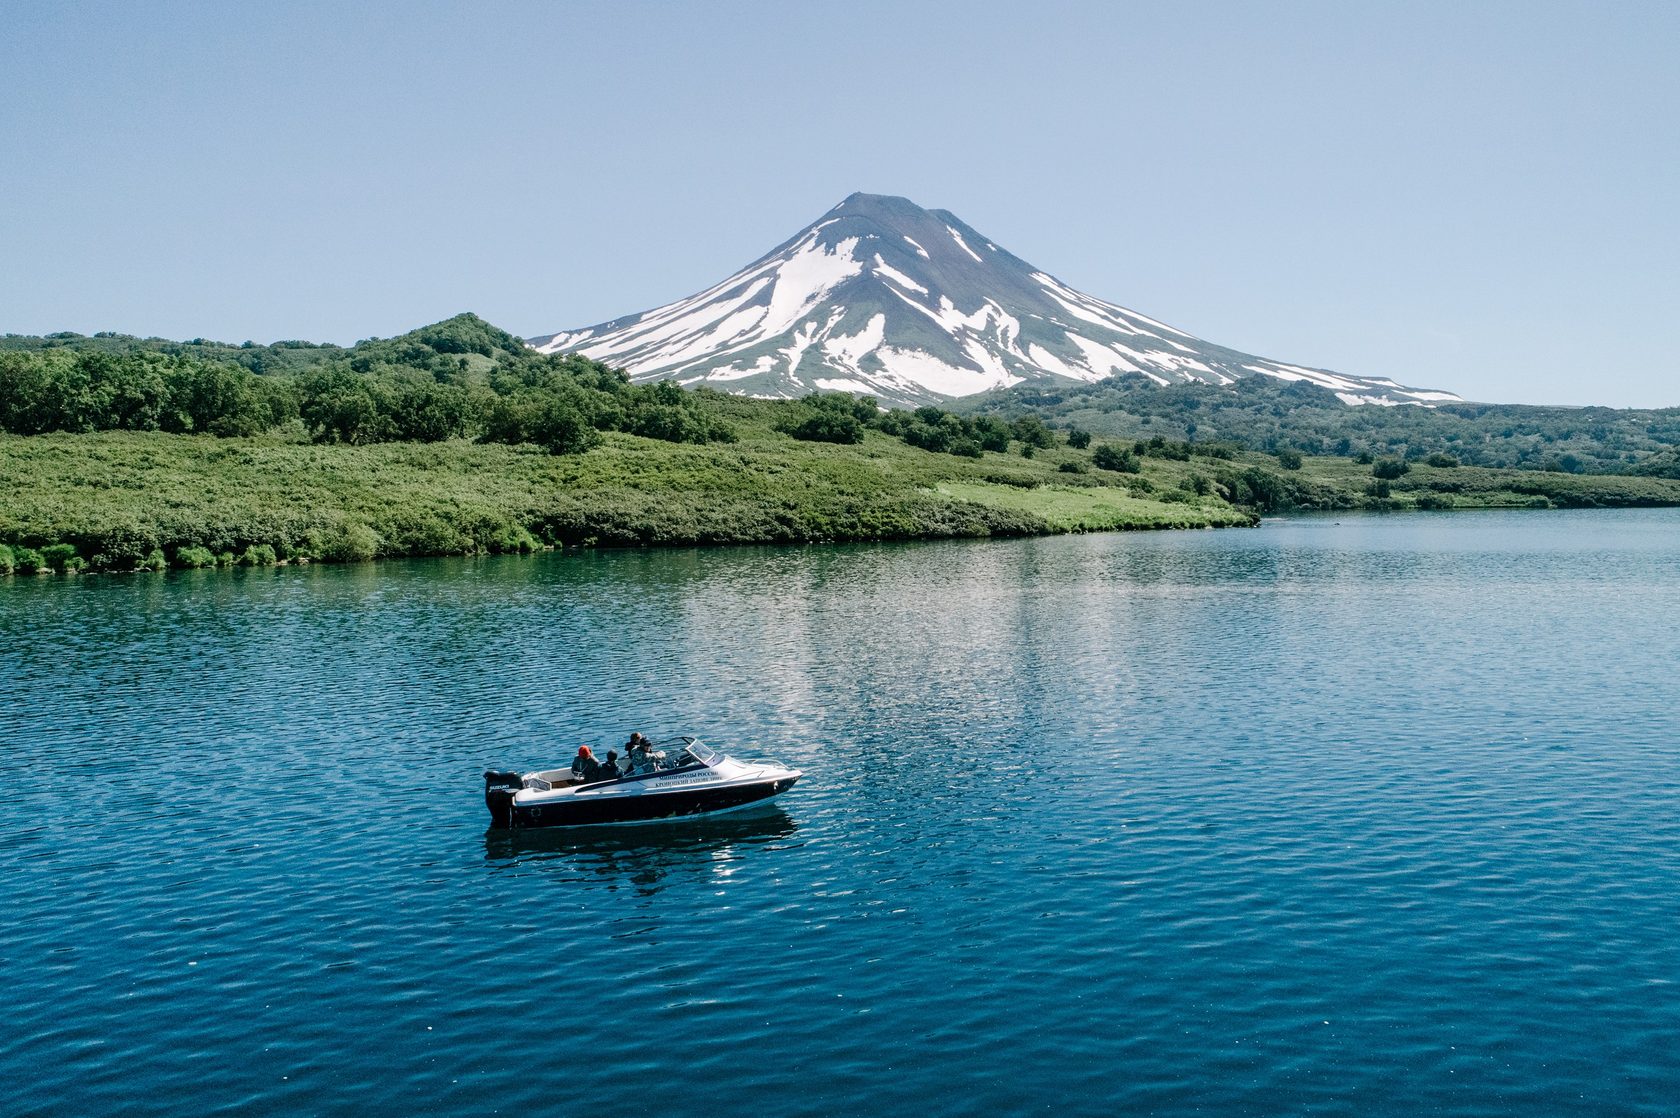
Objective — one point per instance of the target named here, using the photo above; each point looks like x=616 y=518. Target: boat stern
x=499 y=790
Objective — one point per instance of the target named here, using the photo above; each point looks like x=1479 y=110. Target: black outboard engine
x=499 y=788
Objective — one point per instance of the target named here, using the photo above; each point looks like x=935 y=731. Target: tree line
x=457 y=379
x=842 y=418
x=1262 y=414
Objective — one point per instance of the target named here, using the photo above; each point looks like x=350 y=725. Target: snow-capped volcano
x=880 y=296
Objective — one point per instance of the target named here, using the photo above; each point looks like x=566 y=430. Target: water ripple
x=1365 y=815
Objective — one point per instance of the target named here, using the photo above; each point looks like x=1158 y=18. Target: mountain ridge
x=882 y=297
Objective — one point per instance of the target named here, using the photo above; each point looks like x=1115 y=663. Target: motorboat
x=698 y=780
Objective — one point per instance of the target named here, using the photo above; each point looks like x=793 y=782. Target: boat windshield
x=703 y=753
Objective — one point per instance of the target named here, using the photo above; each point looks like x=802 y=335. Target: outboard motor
x=499 y=788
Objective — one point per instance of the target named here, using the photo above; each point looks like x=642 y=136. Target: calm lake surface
x=1374 y=815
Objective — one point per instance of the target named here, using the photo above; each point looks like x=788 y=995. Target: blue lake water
x=1368 y=815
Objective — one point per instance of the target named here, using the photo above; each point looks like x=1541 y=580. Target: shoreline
x=1280 y=517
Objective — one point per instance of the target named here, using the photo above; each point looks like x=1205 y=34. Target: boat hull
x=579 y=811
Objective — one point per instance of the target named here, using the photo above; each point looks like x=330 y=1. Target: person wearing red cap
x=584 y=766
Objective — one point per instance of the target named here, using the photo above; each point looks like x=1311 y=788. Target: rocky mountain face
x=882 y=297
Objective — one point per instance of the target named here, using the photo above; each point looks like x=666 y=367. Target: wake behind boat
x=699 y=781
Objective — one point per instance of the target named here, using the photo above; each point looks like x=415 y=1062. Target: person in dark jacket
x=584 y=766
x=610 y=770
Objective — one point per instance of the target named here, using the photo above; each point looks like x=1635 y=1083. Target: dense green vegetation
x=137 y=454
x=1263 y=414
x=127 y=500
x=461 y=378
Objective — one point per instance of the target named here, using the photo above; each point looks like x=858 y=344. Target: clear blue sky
x=1480 y=197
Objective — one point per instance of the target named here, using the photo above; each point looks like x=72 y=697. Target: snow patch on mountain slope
x=808 y=335
x=962 y=244
x=843 y=384
x=1102 y=360
x=849 y=349
x=898 y=277
x=762 y=365
x=912 y=366
x=990 y=363
x=809 y=274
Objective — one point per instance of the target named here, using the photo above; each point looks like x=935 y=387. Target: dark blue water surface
x=1370 y=815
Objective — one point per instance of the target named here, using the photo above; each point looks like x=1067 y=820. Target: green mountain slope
x=1262 y=414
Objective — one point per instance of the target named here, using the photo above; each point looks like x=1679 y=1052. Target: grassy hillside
x=128 y=500
x=123 y=500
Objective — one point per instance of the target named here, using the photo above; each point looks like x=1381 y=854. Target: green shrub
x=257 y=555
x=992 y=433
x=1032 y=432
x=560 y=429
x=155 y=561
x=1073 y=467
x=28 y=561
x=120 y=546
x=1288 y=458
x=1435 y=501
x=351 y=543
x=512 y=538
x=1260 y=489
x=1441 y=461
x=937 y=430
x=192 y=557
x=428 y=535
x=1107 y=457
x=62 y=558
x=226 y=559
x=1159 y=446
x=829 y=426
x=1078 y=439
x=7 y=562
x=1390 y=469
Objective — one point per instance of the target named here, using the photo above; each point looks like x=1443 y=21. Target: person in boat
x=584 y=765
x=610 y=770
x=638 y=759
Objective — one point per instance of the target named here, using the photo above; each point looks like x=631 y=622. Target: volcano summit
x=882 y=297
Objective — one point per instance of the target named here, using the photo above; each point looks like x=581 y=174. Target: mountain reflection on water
x=1341 y=815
